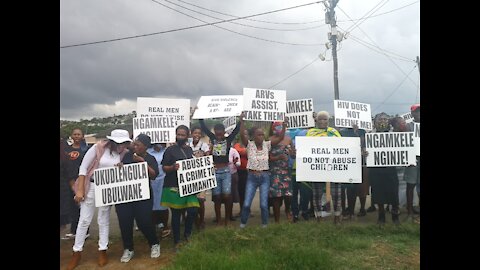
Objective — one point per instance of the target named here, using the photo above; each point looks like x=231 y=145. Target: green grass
x=305 y=245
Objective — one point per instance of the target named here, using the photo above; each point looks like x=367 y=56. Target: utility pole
x=418 y=64
x=330 y=19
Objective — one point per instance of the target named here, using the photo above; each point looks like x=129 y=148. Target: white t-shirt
x=107 y=160
x=201 y=146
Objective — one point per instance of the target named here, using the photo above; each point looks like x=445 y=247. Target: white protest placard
x=195 y=175
x=115 y=185
x=230 y=123
x=407 y=117
x=160 y=129
x=159 y=117
x=416 y=138
x=329 y=159
x=218 y=106
x=348 y=113
x=390 y=149
x=300 y=113
x=264 y=104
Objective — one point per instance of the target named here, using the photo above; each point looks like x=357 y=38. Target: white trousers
x=87 y=209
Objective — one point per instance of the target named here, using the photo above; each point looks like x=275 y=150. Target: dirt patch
x=388 y=258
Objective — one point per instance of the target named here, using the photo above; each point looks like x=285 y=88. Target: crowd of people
x=242 y=164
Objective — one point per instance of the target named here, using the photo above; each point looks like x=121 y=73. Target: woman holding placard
x=107 y=153
x=384 y=180
x=258 y=169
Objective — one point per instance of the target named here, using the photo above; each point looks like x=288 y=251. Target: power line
x=373 y=16
x=375 y=45
x=393 y=92
x=389 y=57
x=248 y=19
x=370 y=11
x=246 y=25
x=295 y=73
x=189 y=27
x=245 y=35
x=372 y=47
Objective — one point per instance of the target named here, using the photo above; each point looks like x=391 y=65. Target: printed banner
x=329 y=159
x=159 y=117
x=264 y=104
x=300 y=113
x=230 y=123
x=407 y=117
x=390 y=149
x=115 y=185
x=218 y=106
x=195 y=175
x=348 y=113
x=416 y=138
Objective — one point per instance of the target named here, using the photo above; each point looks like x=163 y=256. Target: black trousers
x=141 y=212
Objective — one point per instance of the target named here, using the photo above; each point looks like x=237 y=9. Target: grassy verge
x=305 y=245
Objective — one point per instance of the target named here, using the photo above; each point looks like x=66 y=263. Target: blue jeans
x=255 y=180
x=224 y=181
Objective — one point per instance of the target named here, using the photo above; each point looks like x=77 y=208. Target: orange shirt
x=243 y=156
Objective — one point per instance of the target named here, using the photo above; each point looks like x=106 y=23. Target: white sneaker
x=155 y=253
x=242 y=225
x=68 y=236
x=127 y=256
x=325 y=214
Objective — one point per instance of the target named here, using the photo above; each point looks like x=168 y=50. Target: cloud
x=103 y=79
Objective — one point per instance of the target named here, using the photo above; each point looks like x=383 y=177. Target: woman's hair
x=77 y=128
x=195 y=128
x=112 y=146
x=252 y=130
x=323 y=113
x=184 y=128
x=219 y=127
x=395 y=120
x=380 y=114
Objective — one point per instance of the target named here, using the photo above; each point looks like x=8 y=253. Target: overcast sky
x=103 y=79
